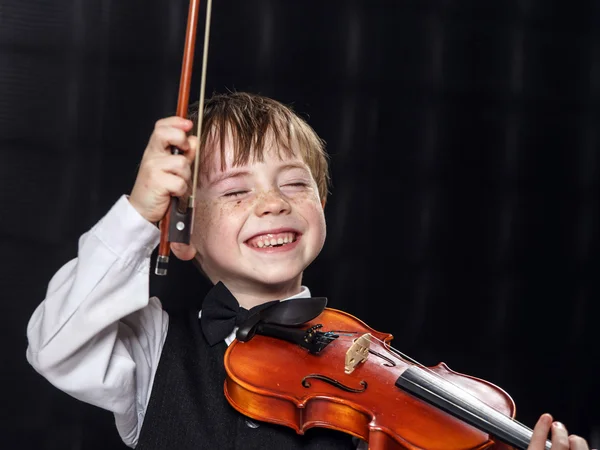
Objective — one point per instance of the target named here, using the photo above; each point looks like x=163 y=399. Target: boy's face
x=258 y=226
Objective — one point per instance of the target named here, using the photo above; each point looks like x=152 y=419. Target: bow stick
x=177 y=224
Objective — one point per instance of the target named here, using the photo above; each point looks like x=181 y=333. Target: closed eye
x=234 y=193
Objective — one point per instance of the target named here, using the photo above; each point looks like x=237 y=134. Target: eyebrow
x=244 y=173
x=290 y=166
x=228 y=175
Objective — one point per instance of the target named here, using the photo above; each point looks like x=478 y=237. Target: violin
x=334 y=371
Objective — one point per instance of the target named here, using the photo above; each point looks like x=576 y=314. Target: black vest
x=188 y=409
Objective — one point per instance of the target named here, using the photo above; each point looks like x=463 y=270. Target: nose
x=272 y=203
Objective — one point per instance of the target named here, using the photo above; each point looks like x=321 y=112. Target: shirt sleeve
x=97 y=335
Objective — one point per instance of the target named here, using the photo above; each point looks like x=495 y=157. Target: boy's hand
x=162 y=174
x=560 y=437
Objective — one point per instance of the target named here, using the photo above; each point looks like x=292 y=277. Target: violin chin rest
x=294 y=312
x=288 y=313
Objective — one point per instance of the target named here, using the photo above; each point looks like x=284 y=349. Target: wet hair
x=252 y=120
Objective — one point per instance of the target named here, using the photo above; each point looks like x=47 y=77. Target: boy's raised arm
x=97 y=336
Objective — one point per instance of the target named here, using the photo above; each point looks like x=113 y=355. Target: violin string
x=474 y=415
x=201 y=99
x=405 y=357
x=397 y=353
x=435 y=394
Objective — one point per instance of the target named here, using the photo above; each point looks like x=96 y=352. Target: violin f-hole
x=333 y=382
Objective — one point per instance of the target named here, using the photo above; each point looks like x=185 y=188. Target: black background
x=464 y=142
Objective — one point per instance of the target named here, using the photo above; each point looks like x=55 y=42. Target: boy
x=258 y=224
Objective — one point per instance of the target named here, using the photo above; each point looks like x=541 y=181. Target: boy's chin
x=279 y=277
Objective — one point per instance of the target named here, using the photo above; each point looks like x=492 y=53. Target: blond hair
x=251 y=118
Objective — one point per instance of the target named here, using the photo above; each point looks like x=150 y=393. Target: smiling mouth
x=272 y=240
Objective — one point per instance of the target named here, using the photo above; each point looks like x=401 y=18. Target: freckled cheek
x=202 y=216
x=300 y=198
x=312 y=210
x=215 y=222
x=205 y=222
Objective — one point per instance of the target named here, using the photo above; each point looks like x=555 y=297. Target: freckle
x=238 y=202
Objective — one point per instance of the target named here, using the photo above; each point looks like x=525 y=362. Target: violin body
x=279 y=382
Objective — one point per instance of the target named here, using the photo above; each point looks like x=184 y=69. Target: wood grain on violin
x=362 y=391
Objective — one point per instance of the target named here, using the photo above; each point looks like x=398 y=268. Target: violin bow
x=177 y=224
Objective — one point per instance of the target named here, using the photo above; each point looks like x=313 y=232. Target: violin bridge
x=358 y=352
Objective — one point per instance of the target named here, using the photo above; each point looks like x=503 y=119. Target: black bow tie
x=221 y=313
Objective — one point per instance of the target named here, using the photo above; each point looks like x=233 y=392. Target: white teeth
x=269 y=240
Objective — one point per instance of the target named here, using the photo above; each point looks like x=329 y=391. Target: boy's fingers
x=192 y=146
x=174 y=121
x=175 y=185
x=560 y=437
x=577 y=443
x=164 y=138
x=540 y=433
x=177 y=165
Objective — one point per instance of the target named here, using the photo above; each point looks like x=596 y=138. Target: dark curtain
x=464 y=142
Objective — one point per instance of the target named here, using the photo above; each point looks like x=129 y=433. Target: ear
x=183 y=251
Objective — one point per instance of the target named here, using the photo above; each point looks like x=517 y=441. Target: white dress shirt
x=97 y=335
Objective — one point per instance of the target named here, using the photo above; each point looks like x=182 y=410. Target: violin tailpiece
x=311 y=339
